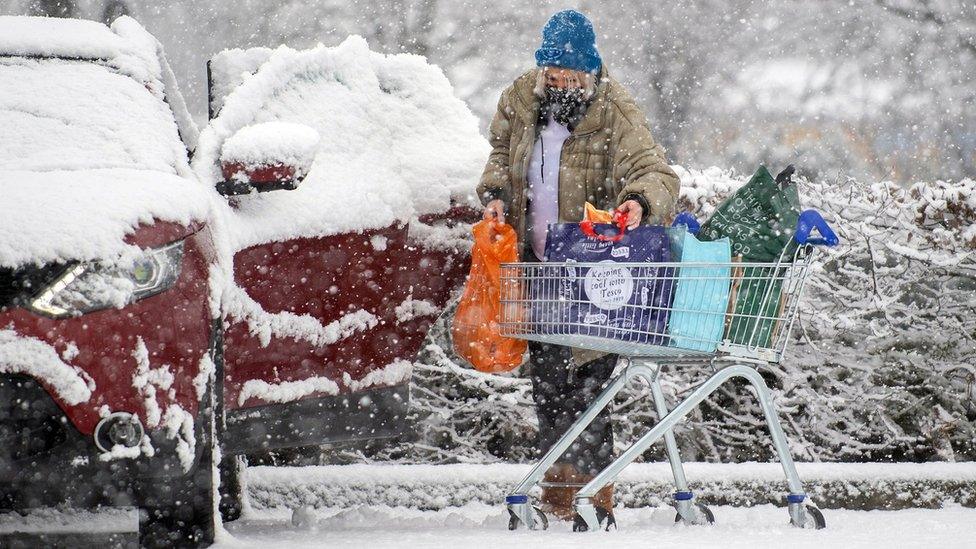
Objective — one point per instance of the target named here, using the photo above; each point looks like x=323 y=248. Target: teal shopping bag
x=697 y=319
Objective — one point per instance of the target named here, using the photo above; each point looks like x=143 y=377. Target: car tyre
x=231 y=487
x=181 y=512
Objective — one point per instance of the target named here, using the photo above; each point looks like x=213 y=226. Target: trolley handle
x=619 y=219
x=810 y=220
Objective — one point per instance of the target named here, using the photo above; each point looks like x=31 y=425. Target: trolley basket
x=732 y=316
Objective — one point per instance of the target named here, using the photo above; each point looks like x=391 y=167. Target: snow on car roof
x=395 y=141
x=59 y=37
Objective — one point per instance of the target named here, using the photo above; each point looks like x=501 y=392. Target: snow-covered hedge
x=880 y=366
x=830 y=485
x=882 y=363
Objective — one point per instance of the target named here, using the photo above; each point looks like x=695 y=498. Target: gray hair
x=587 y=82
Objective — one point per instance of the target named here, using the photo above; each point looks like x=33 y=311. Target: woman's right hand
x=495 y=210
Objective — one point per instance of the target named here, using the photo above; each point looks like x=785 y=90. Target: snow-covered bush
x=880 y=365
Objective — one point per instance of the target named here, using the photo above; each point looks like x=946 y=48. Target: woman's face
x=563 y=78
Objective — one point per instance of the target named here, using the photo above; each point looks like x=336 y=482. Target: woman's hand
x=634 y=213
x=496 y=209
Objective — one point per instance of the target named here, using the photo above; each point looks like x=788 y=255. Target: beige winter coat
x=609 y=157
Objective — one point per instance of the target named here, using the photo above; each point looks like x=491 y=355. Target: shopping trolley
x=754 y=305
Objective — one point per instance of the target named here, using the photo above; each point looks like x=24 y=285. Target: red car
x=149 y=307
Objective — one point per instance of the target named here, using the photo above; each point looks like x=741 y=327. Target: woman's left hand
x=634 y=213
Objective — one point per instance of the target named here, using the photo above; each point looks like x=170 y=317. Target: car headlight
x=87 y=287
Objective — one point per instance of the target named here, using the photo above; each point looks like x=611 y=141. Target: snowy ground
x=387 y=506
x=478 y=525
x=380 y=506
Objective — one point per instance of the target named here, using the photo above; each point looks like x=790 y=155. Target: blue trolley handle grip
x=810 y=220
x=688 y=220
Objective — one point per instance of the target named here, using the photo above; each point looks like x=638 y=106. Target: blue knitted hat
x=568 y=41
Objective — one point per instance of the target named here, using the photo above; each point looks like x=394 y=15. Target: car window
x=66 y=115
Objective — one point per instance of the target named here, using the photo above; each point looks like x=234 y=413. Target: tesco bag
x=608 y=301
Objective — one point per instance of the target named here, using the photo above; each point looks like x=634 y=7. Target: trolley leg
x=684 y=499
x=518 y=501
x=795 y=499
x=584 y=497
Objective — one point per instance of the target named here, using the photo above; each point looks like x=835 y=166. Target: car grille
x=16 y=285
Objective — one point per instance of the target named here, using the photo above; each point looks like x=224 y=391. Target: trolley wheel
x=815 y=519
x=703 y=512
x=514 y=521
x=604 y=517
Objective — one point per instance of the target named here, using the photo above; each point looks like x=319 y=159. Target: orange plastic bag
x=475 y=326
x=597 y=216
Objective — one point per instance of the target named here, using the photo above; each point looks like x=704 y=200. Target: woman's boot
x=559 y=487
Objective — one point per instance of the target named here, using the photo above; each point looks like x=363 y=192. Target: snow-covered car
x=336 y=282
x=143 y=314
x=105 y=253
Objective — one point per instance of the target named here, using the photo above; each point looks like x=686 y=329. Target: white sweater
x=543 y=179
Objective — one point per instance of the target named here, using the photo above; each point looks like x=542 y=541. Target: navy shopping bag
x=611 y=301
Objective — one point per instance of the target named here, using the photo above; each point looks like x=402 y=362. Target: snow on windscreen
x=89 y=148
x=68 y=115
x=395 y=141
x=229 y=68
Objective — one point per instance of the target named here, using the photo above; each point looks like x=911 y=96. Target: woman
x=565 y=134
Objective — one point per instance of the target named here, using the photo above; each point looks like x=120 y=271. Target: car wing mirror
x=268 y=156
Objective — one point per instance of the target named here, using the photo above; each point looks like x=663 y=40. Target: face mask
x=563 y=103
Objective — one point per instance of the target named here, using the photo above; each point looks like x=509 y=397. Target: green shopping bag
x=759 y=220
x=757 y=307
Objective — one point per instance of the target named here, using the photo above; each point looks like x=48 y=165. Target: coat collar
x=592 y=120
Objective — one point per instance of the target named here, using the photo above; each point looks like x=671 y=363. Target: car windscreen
x=61 y=114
